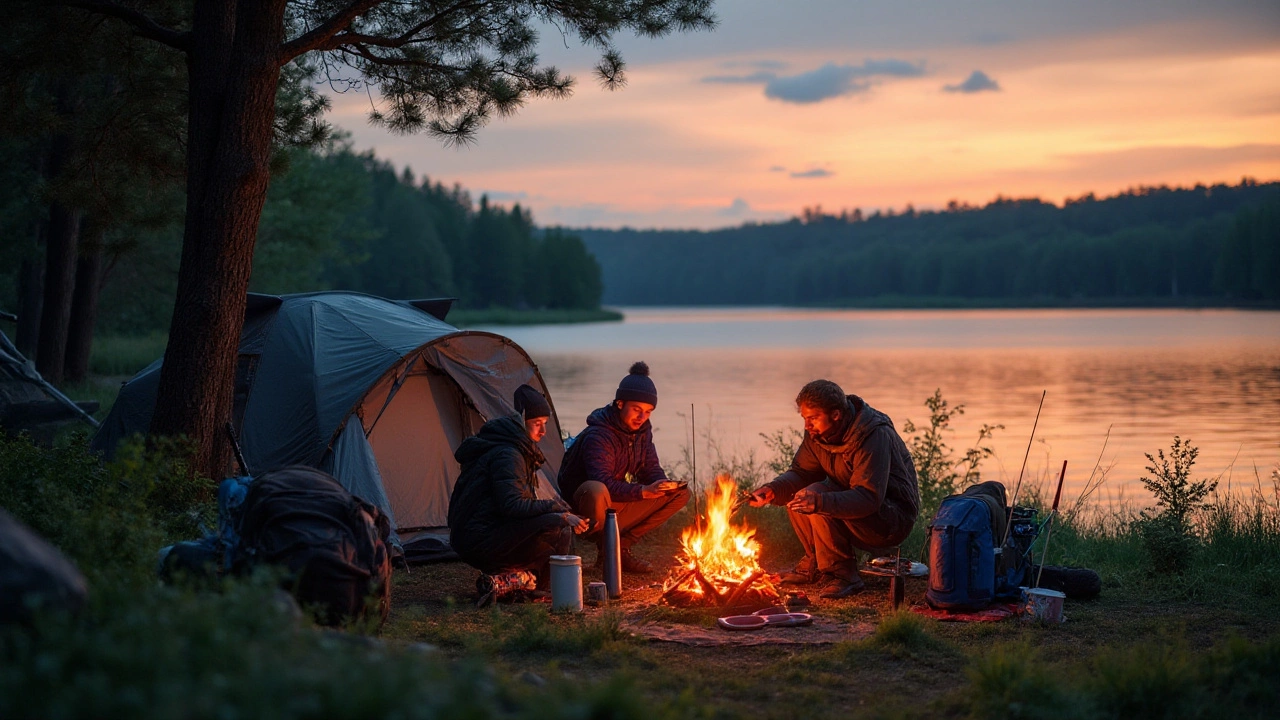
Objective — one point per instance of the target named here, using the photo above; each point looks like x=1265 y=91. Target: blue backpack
x=966 y=572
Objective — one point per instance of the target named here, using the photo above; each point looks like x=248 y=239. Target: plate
x=742 y=622
x=789 y=619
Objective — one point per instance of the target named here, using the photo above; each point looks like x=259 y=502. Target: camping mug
x=597 y=592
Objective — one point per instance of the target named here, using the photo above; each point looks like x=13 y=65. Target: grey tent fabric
x=14 y=367
x=352 y=458
x=319 y=370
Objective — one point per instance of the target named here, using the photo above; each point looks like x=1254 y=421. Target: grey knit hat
x=531 y=404
x=637 y=386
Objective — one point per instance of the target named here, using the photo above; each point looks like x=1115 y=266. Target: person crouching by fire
x=851 y=486
x=497 y=523
x=613 y=464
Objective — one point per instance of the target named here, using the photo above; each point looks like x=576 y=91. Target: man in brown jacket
x=851 y=485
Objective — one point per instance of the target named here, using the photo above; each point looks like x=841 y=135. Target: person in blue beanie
x=613 y=464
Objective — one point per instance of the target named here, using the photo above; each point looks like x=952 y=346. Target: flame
x=725 y=554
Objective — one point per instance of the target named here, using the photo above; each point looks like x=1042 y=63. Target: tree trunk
x=84 y=304
x=59 y=283
x=61 y=235
x=30 y=294
x=234 y=66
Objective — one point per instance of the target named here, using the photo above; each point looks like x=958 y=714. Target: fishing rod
x=1052 y=513
x=697 y=489
x=1013 y=501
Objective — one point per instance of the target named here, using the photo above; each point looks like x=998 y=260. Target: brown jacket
x=867 y=459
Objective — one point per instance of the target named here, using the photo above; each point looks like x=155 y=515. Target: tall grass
x=117 y=355
x=143 y=650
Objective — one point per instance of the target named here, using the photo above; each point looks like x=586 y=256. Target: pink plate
x=742 y=622
x=788 y=619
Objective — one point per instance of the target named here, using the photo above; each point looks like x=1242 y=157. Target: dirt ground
x=905 y=678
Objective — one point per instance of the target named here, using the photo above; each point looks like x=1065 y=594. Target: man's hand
x=761 y=497
x=658 y=489
x=579 y=524
x=805 y=502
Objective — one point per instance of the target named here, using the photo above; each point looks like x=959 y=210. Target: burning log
x=707 y=587
x=742 y=588
x=674 y=588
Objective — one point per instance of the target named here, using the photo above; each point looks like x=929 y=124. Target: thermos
x=612 y=549
x=566 y=583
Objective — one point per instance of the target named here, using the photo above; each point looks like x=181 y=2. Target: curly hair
x=822 y=394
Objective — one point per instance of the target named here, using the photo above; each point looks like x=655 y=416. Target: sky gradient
x=877 y=105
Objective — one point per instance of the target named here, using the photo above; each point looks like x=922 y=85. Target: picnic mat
x=994 y=613
x=822 y=631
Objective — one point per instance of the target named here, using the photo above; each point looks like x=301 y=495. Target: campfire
x=719 y=561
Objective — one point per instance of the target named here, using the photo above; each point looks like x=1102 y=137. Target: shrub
x=1167 y=534
x=938 y=473
x=110 y=519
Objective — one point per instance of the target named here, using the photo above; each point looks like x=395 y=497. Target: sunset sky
x=878 y=104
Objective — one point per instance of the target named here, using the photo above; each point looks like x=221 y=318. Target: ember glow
x=718 y=560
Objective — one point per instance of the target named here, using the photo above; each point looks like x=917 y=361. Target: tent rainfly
x=379 y=393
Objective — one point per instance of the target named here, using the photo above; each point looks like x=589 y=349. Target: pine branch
x=142 y=25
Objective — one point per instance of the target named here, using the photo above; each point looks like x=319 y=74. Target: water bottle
x=612 y=549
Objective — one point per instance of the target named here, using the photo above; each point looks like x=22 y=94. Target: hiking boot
x=837 y=588
x=634 y=565
x=799 y=576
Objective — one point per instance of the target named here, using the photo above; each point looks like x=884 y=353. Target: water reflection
x=1210 y=376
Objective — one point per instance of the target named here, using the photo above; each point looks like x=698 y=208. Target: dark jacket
x=608 y=451
x=866 y=457
x=497 y=483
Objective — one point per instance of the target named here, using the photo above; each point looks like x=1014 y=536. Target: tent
x=27 y=400
x=377 y=392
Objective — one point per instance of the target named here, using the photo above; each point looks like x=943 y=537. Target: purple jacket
x=607 y=451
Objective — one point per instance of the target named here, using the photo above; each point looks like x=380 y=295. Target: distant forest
x=333 y=219
x=1215 y=244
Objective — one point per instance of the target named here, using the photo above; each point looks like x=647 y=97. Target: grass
x=1203 y=643
x=116 y=355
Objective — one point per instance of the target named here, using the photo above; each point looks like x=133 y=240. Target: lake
x=1144 y=376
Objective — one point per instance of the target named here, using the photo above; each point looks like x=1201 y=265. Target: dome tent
x=379 y=393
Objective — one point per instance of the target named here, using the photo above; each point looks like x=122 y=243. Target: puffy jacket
x=497 y=483
x=608 y=451
x=866 y=457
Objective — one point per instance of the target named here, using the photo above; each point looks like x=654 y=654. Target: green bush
x=1168 y=534
x=938 y=472
x=108 y=518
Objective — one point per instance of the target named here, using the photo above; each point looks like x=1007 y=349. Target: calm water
x=1146 y=375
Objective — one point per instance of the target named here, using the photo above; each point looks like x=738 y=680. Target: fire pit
x=718 y=564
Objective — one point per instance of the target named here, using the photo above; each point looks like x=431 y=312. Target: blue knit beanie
x=637 y=386
x=531 y=404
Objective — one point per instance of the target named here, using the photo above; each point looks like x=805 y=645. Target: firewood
x=707 y=587
x=676 y=585
x=742 y=588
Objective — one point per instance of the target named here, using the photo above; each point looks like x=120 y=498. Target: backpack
x=331 y=544
x=966 y=571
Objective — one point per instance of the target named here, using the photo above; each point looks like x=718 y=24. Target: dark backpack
x=331 y=544
x=965 y=571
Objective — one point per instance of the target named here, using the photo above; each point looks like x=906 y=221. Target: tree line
x=1149 y=245
x=335 y=219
